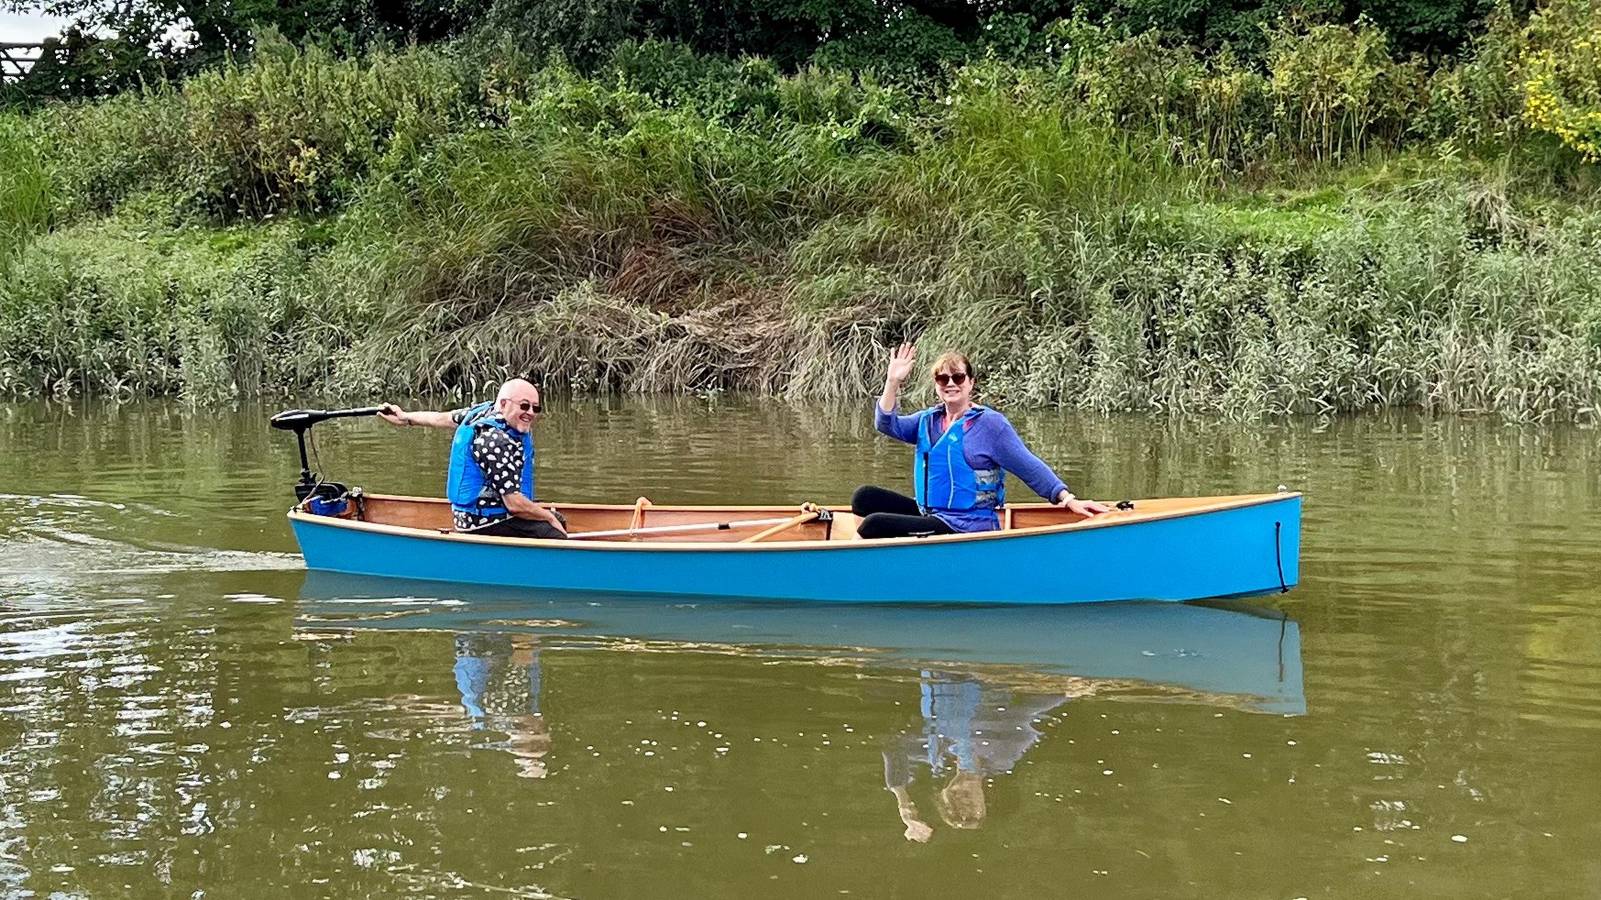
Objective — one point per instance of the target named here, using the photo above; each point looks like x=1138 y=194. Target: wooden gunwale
x=1203 y=505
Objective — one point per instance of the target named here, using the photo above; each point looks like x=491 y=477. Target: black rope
x=1278 y=553
x=1284 y=623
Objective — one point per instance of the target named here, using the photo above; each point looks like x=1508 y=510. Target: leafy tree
x=1425 y=26
x=115 y=44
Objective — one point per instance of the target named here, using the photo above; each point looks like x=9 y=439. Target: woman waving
x=963 y=453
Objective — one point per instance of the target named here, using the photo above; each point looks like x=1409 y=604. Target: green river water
x=184 y=712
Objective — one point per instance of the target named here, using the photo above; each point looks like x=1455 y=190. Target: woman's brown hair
x=952 y=360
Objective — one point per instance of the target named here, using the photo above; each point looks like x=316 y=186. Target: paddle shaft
x=686 y=528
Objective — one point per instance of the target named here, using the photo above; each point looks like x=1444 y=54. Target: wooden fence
x=17 y=59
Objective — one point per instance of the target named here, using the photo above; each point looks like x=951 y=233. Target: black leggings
x=887 y=514
x=524 y=528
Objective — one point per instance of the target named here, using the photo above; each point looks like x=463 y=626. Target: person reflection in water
x=499 y=679
x=971 y=731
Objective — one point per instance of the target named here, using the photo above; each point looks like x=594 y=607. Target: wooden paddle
x=686 y=528
x=808 y=513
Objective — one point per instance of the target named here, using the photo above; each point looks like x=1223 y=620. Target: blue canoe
x=1164 y=549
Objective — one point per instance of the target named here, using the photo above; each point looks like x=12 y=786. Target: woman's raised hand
x=900 y=362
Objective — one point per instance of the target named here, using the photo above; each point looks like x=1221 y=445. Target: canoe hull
x=1238 y=551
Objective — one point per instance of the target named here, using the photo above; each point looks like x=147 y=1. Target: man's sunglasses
x=526 y=406
x=956 y=378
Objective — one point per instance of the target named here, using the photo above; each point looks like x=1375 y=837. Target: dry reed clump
x=585 y=339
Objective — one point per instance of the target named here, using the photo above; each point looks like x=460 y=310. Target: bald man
x=491 y=479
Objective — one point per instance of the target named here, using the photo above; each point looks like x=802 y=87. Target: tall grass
x=124 y=307
x=27 y=191
x=1128 y=227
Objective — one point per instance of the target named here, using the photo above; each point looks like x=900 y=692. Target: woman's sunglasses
x=526 y=406
x=955 y=378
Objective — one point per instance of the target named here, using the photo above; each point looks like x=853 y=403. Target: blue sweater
x=990 y=441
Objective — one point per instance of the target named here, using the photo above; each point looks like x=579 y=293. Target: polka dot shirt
x=500 y=456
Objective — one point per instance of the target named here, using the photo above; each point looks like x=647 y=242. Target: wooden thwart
x=637 y=521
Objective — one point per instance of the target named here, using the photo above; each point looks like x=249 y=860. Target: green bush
x=908 y=45
x=1327 y=93
x=1337 y=91
x=1562 y=75
x=107 y=151
x=295 y=130
x=1477 y=103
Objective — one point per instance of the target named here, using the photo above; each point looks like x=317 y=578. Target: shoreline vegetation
x=1101 y=220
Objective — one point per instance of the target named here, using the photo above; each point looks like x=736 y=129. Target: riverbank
x=428 y=221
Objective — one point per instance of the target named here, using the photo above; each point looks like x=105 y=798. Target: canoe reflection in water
x=986 y=675
x=499 y=679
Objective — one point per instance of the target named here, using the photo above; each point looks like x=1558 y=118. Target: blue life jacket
x=465 y=484
x=941 y=476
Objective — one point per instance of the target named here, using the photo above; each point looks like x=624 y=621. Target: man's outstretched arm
x=394 y=415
